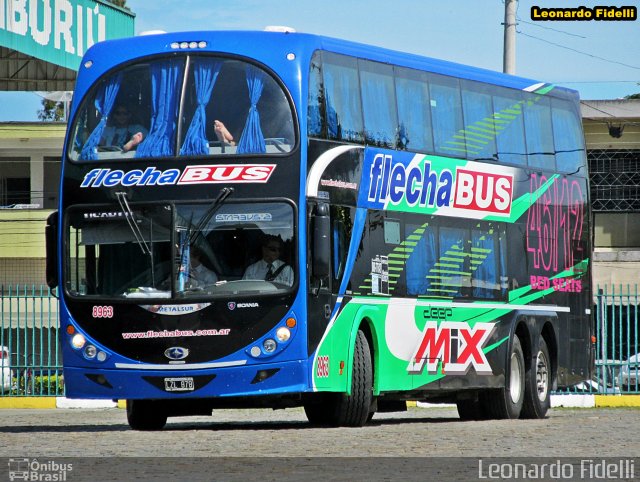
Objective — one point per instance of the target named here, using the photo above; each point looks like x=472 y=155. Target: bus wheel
x=506 y=402
x=340 y=409
x=538 y=384
x=354 y=410
x=146 y=415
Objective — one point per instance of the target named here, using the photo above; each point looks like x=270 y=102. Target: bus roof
x=253 y=44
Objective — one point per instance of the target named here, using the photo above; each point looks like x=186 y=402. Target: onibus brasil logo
x=35 y=470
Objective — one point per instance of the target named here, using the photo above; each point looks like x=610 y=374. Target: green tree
x=119 y=3
x=633 y=96
x=51 y=111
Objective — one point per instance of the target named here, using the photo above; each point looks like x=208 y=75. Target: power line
x=579 y=51
x=550 y=28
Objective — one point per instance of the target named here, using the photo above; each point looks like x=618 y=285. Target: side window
x=480 y=134
x=567 y=135
x=488 y=270
x=316 y=120
x=342 y=91
x=509 y=125
x=539 y=132
x=341 y=225
x=446 y=113
x=414 y=111
x=378 y=104
x=453 y=262
x=422 y=260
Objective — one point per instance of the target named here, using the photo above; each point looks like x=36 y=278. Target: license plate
x=180 y=384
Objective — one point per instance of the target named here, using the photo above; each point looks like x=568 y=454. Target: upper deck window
x=152 y=109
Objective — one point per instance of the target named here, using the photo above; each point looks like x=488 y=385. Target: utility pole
x=509 y=58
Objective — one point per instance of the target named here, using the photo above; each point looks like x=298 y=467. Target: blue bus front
x=180 y=224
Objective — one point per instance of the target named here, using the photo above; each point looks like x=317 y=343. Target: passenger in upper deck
x=222 y=133
x=122 y=132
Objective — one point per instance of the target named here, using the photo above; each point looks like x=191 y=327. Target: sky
x=598 y=58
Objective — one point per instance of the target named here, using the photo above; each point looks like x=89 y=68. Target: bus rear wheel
x=146 y=415
x=506 y=402
x=340 y=409
x=537 y=399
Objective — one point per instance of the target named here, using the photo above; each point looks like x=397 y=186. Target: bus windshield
x=180 y=250
x=151 y=109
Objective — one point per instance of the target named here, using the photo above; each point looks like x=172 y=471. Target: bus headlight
x=283 y=334
x=90 y=352
x=269 y=345
x=78 y=341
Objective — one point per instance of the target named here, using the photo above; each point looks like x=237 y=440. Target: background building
x=612 y=133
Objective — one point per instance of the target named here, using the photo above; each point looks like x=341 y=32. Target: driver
x=121 y=132
x=270 y=267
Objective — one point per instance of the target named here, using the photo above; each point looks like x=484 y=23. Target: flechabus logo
x=151 y=176
x=472 y=189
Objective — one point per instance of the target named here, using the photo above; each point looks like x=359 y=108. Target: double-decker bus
x=377 y=228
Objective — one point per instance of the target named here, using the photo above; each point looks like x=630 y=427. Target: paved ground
x=254 y=434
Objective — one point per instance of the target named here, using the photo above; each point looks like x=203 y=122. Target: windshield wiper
x=131 y=220
x=224 y=193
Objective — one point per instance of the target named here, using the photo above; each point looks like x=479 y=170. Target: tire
x=340 y=409
x=146 y=415
x=537 y=388
x=507 y=402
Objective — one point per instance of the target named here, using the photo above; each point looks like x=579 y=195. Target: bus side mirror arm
x=51 y=238
x=321 y=250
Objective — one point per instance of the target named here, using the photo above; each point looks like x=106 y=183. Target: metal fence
x=31 y=358
x=31 y=362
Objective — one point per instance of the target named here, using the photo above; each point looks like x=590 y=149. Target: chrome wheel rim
x=515 y=379
x=542 y=376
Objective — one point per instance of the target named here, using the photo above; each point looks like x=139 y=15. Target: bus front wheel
x=146 y=415
x=340 y=409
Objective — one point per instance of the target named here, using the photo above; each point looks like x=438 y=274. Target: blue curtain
x=104 y=104
x=252 y=140
x=504 y=279
x=567 y=137
x=485 y=278
x=413 y=110
x=480 y=136
x=344 y=114
x=539 y=133
x=510 y=130
x=452 y=244
x=165 y=92
x=379 y=107
x=205 y=72
x=421 y=261
x=446 y=117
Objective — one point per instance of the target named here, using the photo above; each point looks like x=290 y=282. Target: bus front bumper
x=264 y=379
